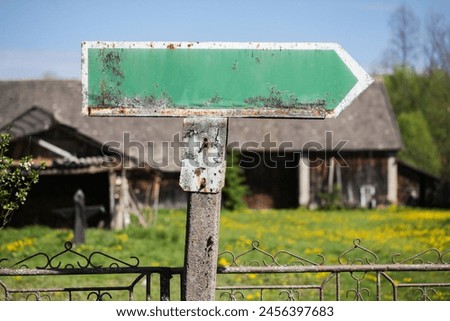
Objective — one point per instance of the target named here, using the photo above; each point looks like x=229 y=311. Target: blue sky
x=43 y=37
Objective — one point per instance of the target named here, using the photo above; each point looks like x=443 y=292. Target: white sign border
x=364 y=80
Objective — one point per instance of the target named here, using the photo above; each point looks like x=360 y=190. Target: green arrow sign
x=295 y=80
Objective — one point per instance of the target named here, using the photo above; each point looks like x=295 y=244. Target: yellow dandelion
x=315 y=250
x=69 y=237
x=11 y=247
x=122 y=237
x=223 y=262
x=19 y=245
x=321 y=275
x=371 y=277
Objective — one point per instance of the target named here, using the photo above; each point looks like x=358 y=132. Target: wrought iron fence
x=255 y=274
x=97 y=277
x=357 y=275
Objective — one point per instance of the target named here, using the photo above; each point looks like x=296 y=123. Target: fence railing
x=98 y=276
x=252 y=275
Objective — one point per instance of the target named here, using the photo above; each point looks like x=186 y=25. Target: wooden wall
x=277 y=186
x=347 y=175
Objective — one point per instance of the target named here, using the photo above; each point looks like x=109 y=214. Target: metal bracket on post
x=202 y=176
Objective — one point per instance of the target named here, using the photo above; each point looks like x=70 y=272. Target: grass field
x=302 y=232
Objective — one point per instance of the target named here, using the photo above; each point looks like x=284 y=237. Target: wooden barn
x=42 y=118
x=287 y=162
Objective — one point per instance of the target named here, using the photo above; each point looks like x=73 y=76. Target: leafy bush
x=420 y=102
x=421 y=149
x=235 y=188
x=331 y=201
x=16 y=179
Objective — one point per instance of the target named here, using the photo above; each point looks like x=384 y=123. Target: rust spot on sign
x=170 y=46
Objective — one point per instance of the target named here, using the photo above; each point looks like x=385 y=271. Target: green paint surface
x=216 y=78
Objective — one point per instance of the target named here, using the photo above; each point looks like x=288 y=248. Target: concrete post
x=304 y=180
x=201 y=249
x=392 y=179
x=202 y=176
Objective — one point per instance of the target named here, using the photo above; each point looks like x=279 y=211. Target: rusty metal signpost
x=206 y=83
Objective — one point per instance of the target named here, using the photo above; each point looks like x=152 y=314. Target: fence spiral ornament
x=291 y=294
x=4 y=288
x=81 y=261
x=368 y=256
x=37 y=296
x=358 y=293
x=446 y=257
x=430 y=256
x=280 y=258
x=232 y=295
x=2 y=262
x=98 y=295
x=425 y=293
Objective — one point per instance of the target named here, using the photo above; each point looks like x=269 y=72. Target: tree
x=420 y=149
x=405 y=38
x=436 y=110
x=235 y=189
x=405 y=89
x=437 y=46
x=421 y=91
x=425 y=96
x=15 y=180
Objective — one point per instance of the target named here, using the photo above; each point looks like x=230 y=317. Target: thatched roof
x=368 y=124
